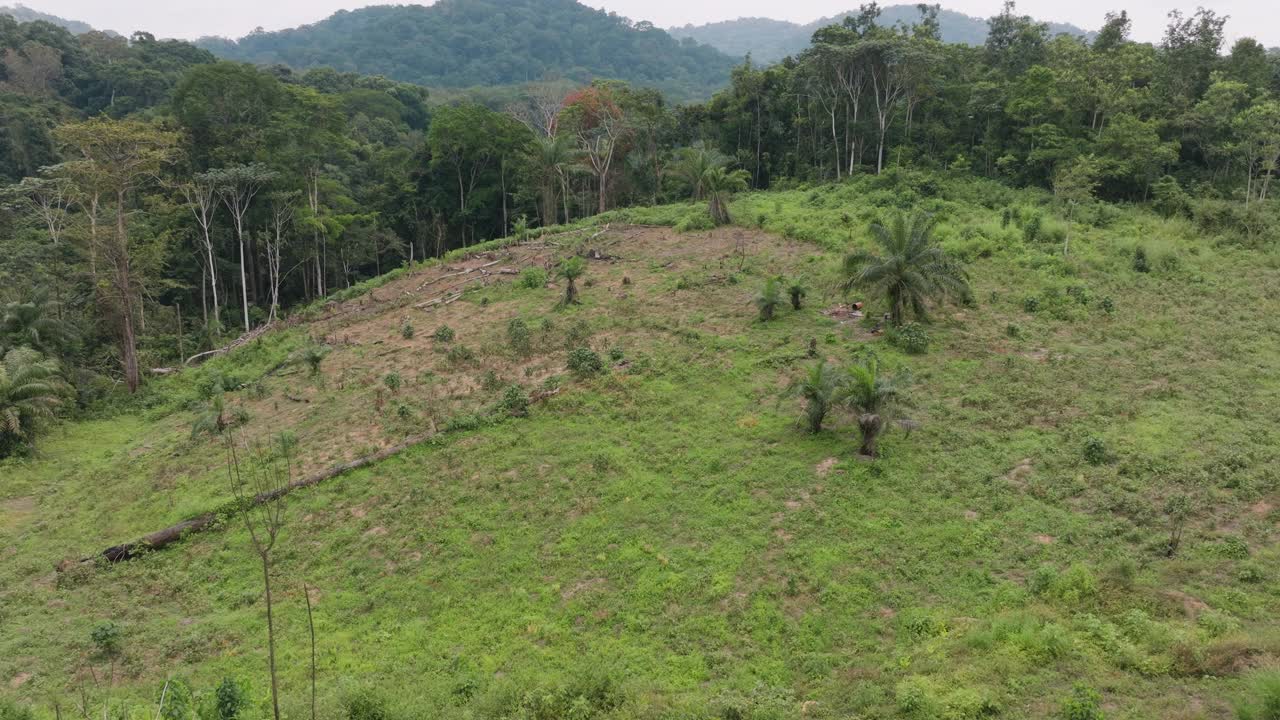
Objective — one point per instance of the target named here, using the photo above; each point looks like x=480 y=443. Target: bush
x=1140 y=262
x=1168 y=197
x=363 y=704
x=392 y=381
x=519 y=337
x=9 y=710
x=406 y=329
x=585 y=361
x=578 y=334
x=1108 y=305
x=460 y=354
x=444 y=333
x=230 y=699
x=178 y=704
x=1264 y=703
x=1084 y=703
x=532 y=279
x=1031 y=229
x=514 y=402
x=910 y=338
x=313 y=355
x=1031 y=303
x=1095 y=451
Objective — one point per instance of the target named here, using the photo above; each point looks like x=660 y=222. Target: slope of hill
x=22 y=13
x=461 y=43
x=771 y=40
x=661 y=539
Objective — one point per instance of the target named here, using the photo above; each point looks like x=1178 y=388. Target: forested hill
x=22 y=13
x=462 y=43
x=768 y=40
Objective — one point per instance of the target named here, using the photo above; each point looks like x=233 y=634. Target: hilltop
x=463 y=43
x=662 y=538
x=769 y=40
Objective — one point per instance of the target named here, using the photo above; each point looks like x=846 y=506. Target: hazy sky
x=193 y=18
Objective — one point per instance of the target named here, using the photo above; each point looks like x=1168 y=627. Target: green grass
x=665 y=541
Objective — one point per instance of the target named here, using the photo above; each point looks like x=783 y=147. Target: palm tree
x=693 y=163
x=571 y=269
x=912 y=271
x=871 y=396
x=818 y=388
x=798 y=293
x=31 y=324
x=769 y=299
x=29 y=393
x=720 y=184
x=551 y=158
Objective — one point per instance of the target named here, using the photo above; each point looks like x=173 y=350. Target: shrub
x=178 y=704
x=515 y=401
x=363 y=704
x=578 y=334
x=585 y=361
x=616 y=354
x=460 y=354
x=313 y=355
x=1079 y=293
x=910 y=338
x=9 y=710
x=392 y=381
x=797 y=292
x=406 y=329
x=1031 y=303
x=519 y=337
x=490 y=381
x=444 y=333
x=1264 y=703
x=1084 y=703
x=1031 y=229
x=1014 y=331
x=1095 y=451
x=106 y=640
x=230 y=699
x=1168 y=197
x=532 y=278
x=1140 y=262
x=1108 y=305
x=1075 y=587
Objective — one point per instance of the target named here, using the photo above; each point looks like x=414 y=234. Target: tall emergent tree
x=123 y=155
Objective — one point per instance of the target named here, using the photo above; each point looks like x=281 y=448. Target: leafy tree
x=909 y=273
x=30 y=392
x=122 y=155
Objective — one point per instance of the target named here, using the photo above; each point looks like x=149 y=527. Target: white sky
x=193 y=18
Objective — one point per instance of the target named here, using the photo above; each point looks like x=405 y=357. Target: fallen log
x=242 y=340
x=172 y=534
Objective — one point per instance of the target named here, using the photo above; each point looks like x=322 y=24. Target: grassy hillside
x=662 y=539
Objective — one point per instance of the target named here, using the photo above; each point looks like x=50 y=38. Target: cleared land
x=664 y=538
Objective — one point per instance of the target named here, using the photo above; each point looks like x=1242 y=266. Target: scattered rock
x=970 y=515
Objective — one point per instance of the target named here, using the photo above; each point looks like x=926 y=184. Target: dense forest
x=160 y=201
x=767 y=40
x=462 y=43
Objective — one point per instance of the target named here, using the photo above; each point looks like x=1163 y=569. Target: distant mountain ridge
x=769 y=40
x=22 y=13
x=461 y=43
